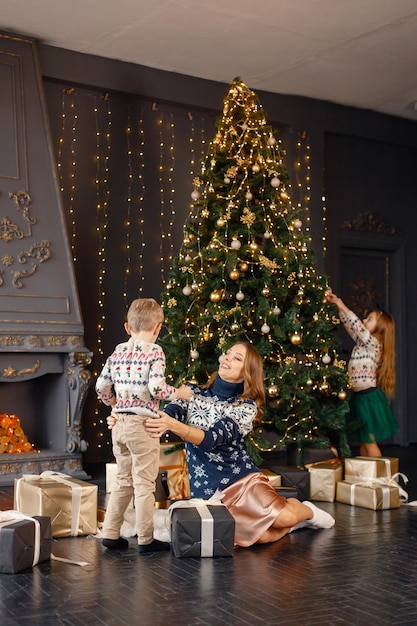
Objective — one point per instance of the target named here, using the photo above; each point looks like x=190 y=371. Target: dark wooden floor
x=363 y=571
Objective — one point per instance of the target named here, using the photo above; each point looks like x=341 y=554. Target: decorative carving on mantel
x=22 y=200
x=32 y=342
x=78 y=382
x=11 y=372
x=370 y=223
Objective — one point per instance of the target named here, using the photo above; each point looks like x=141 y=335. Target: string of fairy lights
x=138 y=132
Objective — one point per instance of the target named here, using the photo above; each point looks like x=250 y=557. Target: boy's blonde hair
x=144 y=314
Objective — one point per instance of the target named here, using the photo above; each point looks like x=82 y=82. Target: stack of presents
x=53 y=505
x=361 y=481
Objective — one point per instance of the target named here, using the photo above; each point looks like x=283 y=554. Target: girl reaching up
x=371 y=372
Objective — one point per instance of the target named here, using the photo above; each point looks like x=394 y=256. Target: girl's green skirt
x=371 y=416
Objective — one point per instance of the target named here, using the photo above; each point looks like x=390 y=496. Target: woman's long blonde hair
x=253 y=381
x=385 y=333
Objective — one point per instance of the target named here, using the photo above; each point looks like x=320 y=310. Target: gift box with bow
x=201 y=528
x=70 y=503
x=373 y=493
x=361 y=467
x=24 y=541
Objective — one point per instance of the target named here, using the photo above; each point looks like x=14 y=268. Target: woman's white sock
x=320 y=518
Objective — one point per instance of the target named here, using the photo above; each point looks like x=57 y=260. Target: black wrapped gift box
x=17 y=543
x=309 y=455
x=203 y=530
x=294 y=477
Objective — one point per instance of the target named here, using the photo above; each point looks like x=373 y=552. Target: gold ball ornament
x=265 y=291
x=253 y=246
x=295 y=339
x=342 y=394
x=324 y=386
x=234 y=274
x=273 y=391
x=234 y=327
x=220 y=222
x=309 y=382
x=243 y=267
x=216 y=296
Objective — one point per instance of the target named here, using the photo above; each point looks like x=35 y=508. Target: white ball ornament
x=226 y=180
x=240 y=296
x=248 y=195
x=194 y=354
x=276 y=310
x=195 y=195
x=297 y=223
x=265 y=329
x=275 y=182
x=272 y=141
x=235 y=244
x=267 y=234
x=186 y=290
x=256 y=167
x=326 y=359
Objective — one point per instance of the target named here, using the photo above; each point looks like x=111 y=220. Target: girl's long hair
x=385 y=333
x=253 y=382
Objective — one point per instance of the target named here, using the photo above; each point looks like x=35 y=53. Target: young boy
x=133 y=382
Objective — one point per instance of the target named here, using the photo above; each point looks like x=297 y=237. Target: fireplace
x=43 y=361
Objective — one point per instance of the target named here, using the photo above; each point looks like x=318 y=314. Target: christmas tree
x=245 y=271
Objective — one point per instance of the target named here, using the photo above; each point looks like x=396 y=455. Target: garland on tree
x=245 y=271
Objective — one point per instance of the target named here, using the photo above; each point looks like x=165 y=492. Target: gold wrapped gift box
x=173 y=462
x=70 y=503
x=372 y=495
x=274 y=479
x=323 y=480
x=359 y=468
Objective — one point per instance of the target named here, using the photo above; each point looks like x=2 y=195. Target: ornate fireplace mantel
x=43 y=360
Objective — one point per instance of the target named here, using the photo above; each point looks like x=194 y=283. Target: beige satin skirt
x=255 y=505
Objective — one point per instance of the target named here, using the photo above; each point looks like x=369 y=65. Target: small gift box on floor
x=274 y=479
x=295 y=477
x=24 y=541
x=70 y=503
x=323 y=480
x=369 y=495
x=201 y=529
x=358 y=468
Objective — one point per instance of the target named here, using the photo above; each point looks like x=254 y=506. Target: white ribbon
x=76 y=494
x=207 y=520
x=8 y=517
x=385 y=483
